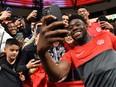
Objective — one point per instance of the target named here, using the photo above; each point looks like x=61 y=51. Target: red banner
x=61 y=3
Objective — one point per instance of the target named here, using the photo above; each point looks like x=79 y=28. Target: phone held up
x=36 y=57
x=52 y=10
x=55 y=11
x=19 y=36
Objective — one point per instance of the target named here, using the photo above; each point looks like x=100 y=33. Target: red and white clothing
x=92 y=30
x=98 y=44
x=88 y=57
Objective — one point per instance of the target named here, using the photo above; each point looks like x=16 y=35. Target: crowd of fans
x=18 y=46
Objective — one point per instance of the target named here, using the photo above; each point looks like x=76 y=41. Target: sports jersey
x=94 y=29
x=88 y=57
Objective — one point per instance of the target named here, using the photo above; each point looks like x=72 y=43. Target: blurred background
x=96 y=7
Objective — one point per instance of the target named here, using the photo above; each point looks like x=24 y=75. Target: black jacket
x=8 y=75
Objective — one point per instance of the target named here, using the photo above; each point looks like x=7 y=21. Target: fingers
x=53 y=26
x=36 y=63
x=33 y=63
x=32 y=60
x=57 y=33
x=5 y=14
x=106 y=25
x=46 y=18
x=50 y=33
x=32 y=14
x=103 y=24
x=57 y=25
x=57 y=39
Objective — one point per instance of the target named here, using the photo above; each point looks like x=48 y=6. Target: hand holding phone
x=33 y=64
x=35 y=11
x=5 y=14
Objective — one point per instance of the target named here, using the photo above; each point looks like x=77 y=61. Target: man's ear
x=4 y=49
x=88 y=13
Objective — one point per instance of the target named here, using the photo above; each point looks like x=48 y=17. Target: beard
x=82 y=39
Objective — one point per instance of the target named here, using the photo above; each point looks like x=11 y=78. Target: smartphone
x=55 y=11
x=52 y=10
x=19 y=36
x=9 y=9
x=36 y=57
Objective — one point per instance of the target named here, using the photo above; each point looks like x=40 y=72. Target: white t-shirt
x=3 y=37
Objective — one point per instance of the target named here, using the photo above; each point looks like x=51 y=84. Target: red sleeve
x=67 y=57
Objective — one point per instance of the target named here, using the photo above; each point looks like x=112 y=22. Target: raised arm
x=4 y=15
x=47 y=37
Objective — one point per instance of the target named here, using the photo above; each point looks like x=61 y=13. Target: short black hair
x=76 y=16
x=12 y=41
x=65 y=14
x=78 y=7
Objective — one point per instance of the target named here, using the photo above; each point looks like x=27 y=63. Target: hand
x=21 y=41
x=33 y=64
x=22 y=77
x=4 y=15
x=106 y=25
x=49 y=35
x=33 y=14
x=37 y=25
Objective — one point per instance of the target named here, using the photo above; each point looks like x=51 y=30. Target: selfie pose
x=94 y=58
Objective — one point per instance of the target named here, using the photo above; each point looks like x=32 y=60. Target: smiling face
x=65 y=18
x=78 y=30
x=12 y=29
x=20 y=23
x=83 y=12
x=69 y=39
